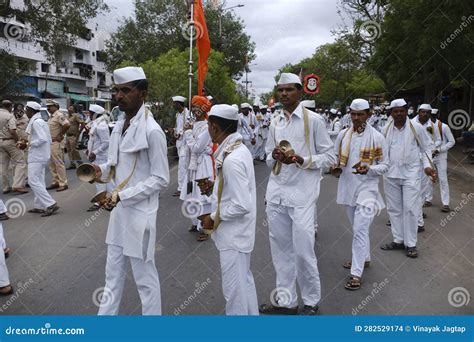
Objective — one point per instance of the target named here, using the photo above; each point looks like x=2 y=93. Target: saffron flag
x=203 y=44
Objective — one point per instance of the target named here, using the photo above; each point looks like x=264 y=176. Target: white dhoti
x=247 y=142
x=181 y=166
x=146 y=278
x=260 y=149
x=360 y=218
x=4 y=277
x=403 y=206
x=238 y=285
x=292 y=246
x=37 y=183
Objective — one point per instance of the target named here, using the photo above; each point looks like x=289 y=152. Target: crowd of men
x=218 y=146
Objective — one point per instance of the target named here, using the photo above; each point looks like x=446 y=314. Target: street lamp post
x=247 y=80
x=220 y=16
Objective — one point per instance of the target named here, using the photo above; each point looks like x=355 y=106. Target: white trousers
x=403 y=206
x=251 y=148
x=146 y=278
x=37 y=183
x=292 y=246
x=360 y=218
x=238 y=285
x=4 y=277
x=442 y=169
x=260 y=149
x=181 y=170
x=3 y=208
x=3 y=243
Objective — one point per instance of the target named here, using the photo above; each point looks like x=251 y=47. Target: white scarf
x=135 y=138
x=30 y=123
x=226 y=147
x=369 y=151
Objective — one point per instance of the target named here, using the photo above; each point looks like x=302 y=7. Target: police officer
x=58 y=126
x=72 y=135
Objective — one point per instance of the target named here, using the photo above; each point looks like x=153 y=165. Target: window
x=79 y=55
x=44 y=67
x=101 y=56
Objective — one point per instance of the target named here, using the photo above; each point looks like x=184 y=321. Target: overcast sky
x=285 y=31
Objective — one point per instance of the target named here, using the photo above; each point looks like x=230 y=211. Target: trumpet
x=287 y=150
x=89 y=173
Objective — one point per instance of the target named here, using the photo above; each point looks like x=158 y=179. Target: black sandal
x=392 y=246
x=348 y=264
x=353 y=283
x=36 y=211
x=202 y=237
x=269 y=309
x=193 y=229
x=412 y=252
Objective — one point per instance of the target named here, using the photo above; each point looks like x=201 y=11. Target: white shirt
x=297 y=185
x=245 y=130
x=181 y=119
x=136 y=212
x=238 y=210
x=408 y=169
x=447 y=140
x=430 y=126
x=334 y=128
x=99 y=139
x=354 y=189
x=40 y=141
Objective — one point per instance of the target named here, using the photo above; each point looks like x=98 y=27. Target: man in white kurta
x=234 y=212
x=406 y=141
x=39 y=153
x=98 y=144
x=334 y=125
x=199 y=165
x=441 y=160
x=183 y=117
x=263 y=124
x=138 y=153
x=358 y=188
x=291 y=197
x=247 y=126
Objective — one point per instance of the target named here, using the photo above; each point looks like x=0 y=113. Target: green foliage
x=159 y=26
x=167 y=77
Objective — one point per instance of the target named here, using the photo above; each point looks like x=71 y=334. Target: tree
x=168 y=76
x=159 y=26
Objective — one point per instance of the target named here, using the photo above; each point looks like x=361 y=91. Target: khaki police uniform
x=56 y=164
x=9 y=152
x=21 y=124
x=72 y=135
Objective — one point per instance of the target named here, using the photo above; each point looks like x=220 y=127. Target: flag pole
x=191 y=38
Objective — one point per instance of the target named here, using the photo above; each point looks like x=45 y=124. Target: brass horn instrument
x=91 y=173
x=287 y=150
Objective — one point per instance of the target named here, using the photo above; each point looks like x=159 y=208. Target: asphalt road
x=57 y=263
